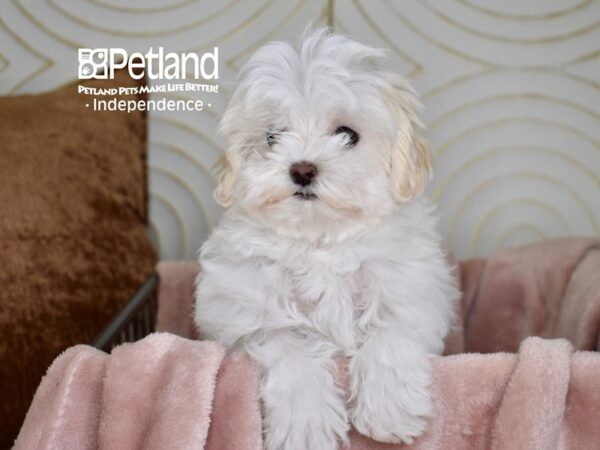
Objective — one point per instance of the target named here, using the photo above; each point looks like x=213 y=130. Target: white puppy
x=327 y=248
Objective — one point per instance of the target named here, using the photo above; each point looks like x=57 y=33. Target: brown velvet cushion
x=73 y=246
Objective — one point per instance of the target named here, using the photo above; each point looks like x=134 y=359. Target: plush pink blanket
x=170 y=392
x=158 y=393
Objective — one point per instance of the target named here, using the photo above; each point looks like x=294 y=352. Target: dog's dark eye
x=272 y=135
x=352 y=135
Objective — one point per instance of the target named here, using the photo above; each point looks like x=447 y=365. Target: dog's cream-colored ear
x=410 y=171
x=226 y=172
x=410 y=165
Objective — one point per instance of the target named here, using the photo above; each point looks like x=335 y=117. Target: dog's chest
x=331 y=290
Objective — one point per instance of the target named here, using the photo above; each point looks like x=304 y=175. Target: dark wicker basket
x=136 y=320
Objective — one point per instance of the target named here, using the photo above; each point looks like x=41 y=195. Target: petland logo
x=101 y=63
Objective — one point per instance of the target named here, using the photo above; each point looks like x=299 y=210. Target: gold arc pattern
x=179 y=138
x=443 y=185
x=501 y=242
x=145 y=9
x=466 y=56
x=234 y=62
x=91 y=25
x=46 y=63
x=548 y=16
x=525 y=174
x=516 y=96
x=185 y=187
x=512 y=120
x=155 y=196
x=515 y=40
x=476 y=236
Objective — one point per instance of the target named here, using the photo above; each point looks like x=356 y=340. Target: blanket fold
x=154 y=394
x=549 y=289
x=65 y=408
x=533 y=403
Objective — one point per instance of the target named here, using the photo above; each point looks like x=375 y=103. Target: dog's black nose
x=303 y=173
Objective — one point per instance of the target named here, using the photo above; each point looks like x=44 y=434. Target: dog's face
x=319 y=141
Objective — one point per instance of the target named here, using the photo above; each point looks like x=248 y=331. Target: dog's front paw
x=392 y=410
x=299 y=427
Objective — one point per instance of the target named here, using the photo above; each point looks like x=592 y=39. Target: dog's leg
x=390 y=377
x=303 y=406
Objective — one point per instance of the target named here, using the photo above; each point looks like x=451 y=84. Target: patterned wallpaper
x=511 y=90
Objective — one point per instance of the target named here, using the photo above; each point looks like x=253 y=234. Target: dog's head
x=319 y=140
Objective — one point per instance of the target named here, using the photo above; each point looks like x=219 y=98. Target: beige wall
x=511 y=89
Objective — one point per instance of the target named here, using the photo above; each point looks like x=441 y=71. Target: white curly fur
x=356 y=272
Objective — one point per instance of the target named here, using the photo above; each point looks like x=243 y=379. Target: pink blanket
x=171 y=392
x=158 y=393
x=168 y=392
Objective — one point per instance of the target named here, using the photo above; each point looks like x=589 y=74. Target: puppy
x=328 y=249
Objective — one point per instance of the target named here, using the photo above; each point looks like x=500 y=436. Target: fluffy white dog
x=328 y=248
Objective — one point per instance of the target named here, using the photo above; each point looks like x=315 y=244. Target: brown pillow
x=73 y=246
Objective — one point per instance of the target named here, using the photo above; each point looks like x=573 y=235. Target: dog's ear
x=227 y=166
x=410 y=169
x=410 y=163
x=226 y=172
